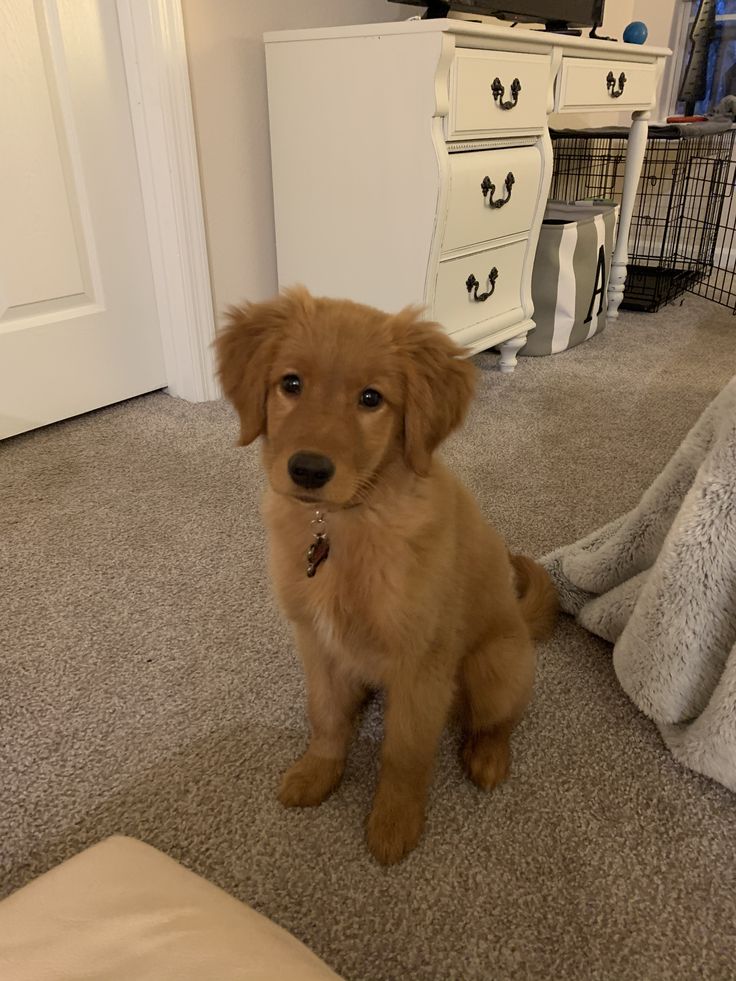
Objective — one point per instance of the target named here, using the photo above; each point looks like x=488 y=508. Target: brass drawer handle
x=611 y=84
x=489 y=188
x=498 y=90
x=471 y=282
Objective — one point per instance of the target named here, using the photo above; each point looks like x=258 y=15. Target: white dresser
x=412 y=161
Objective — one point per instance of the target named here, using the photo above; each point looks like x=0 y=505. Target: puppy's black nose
x=310 y=469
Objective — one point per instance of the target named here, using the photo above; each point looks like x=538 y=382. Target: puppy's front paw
x=394 y=828
x=309 y=781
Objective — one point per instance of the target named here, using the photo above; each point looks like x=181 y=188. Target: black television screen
x=570 y=13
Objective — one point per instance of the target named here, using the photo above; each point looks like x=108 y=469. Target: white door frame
x=674 y=64
x=157 y=71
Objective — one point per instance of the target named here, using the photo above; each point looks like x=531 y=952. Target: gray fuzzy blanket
x=660 y=584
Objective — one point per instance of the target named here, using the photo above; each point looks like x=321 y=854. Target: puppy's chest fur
x=358 y=602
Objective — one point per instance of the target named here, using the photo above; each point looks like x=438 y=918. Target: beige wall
x=662 y=21
x=617 y=14
x=658 y=17
x=228 y=79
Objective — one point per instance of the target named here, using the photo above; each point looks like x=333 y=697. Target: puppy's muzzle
x=310 y=470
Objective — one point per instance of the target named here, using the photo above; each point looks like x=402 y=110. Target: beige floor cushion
x=122 y=911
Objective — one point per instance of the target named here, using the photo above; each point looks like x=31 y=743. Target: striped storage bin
x=570 y=278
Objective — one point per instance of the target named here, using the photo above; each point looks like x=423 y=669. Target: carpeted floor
x=149 y=688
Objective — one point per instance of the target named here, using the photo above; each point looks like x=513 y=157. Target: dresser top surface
x=476 y=33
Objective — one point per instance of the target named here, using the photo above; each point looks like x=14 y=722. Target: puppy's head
x=339 y=390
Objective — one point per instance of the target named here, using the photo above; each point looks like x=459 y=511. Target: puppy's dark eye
x=370 y=398
x=291 y=384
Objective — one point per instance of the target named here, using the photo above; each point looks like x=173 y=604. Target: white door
x=78 y=321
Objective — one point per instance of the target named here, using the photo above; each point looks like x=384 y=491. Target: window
x=709 y=65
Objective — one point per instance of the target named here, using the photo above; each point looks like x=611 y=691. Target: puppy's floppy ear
x=245 y=349
x=439 y=386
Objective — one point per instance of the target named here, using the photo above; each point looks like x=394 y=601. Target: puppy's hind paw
x=487 y=758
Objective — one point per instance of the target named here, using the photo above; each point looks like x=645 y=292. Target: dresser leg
x=636 y=148
x=509 y=350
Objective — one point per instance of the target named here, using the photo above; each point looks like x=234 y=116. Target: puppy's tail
x=537 y=596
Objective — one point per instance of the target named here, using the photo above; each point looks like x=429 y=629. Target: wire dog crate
x=683 y=232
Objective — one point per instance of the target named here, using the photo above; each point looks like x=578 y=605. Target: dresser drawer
x=497 y=92
x=588 y=83
x=456 y=308
x=493 y=193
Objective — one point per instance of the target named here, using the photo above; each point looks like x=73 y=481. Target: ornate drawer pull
x=471 y=282
x=498 y=90
x=489 y=188
x=611 y=84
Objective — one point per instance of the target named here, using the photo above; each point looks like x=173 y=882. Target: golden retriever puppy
x=391 y=577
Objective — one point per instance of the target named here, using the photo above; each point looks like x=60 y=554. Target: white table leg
x=509 y=350
x=637 y=145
